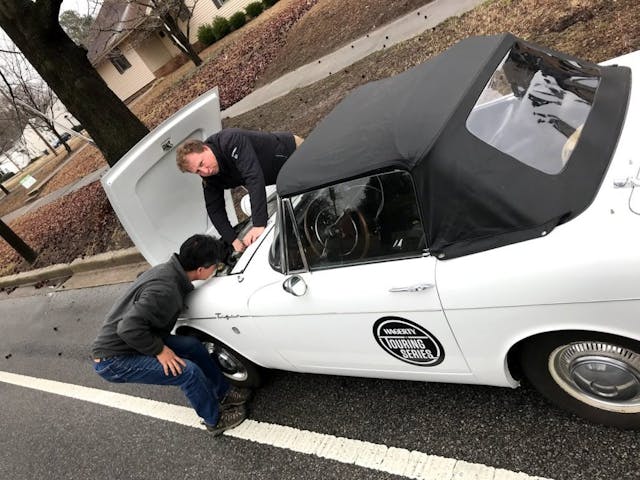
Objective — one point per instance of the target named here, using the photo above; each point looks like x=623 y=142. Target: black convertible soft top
x=472 y=196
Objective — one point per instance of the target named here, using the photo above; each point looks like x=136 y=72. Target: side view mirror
x=295 y=285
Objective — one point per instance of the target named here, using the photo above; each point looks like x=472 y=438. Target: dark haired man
x=234 y=157
x=135 y=344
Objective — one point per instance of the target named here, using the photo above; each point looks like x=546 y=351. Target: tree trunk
x=179 y=38
x=12 y=162
x=17 y=243
x=49 y=146
x=62 y=142
x=34 y=28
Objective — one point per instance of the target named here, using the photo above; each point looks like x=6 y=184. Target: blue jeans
x=201 y=380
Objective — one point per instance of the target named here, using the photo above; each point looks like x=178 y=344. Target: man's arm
x=214 y=201
x=154 y=310
x=253 y=177
x=249 y=167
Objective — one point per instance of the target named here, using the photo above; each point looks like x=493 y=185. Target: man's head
x=199 y=256
x=194 y=156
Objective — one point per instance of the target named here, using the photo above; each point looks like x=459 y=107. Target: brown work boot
x=234 y=397
x=228 y=419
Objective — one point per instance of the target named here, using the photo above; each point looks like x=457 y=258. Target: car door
x=366 y=302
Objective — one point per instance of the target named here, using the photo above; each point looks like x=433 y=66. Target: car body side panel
x=330 y=328
x=243 y=334
x=592 y=258
x=219 y=307
x=486 y=335
x=628 y=147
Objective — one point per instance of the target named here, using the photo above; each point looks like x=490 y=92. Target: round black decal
x=408 y=341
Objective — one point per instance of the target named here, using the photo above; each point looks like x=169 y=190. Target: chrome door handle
x=628 y=182
x=413 y=288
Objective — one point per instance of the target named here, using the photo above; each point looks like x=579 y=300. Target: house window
x=119 y=60
x=218 y=3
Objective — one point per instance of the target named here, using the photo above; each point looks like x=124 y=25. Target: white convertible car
x=475 y=219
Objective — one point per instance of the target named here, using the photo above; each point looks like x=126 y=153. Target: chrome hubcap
x=231 y=367
x=599 y=374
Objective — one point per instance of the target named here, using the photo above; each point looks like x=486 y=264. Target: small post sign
x=27 y=181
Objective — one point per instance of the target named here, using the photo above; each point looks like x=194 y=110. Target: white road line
x=398 y=461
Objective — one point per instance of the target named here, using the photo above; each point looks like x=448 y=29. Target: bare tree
x=23 y=87
x=10 y=130
x=11 y=126
x=34 y=28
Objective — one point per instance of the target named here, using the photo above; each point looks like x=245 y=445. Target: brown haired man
x=234 y=157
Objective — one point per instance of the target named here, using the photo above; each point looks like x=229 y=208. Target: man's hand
x=253 y=235
x=170 y=362
x=238 y=246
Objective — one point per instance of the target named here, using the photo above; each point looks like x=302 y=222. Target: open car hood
x=158 y=205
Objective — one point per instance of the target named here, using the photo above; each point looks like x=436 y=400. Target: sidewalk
x=404 y=28
x=401 y=29
x=92 y=177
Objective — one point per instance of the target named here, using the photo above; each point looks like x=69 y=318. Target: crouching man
x=135 y=344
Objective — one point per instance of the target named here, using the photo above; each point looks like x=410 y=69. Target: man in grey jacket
x=135 y=344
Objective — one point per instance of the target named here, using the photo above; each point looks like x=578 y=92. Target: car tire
x=594 y=375
x=237 y=369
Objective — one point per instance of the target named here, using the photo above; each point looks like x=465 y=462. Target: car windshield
x=369 y=219
x=534 y=107
x=245 y=225
x=242 y=229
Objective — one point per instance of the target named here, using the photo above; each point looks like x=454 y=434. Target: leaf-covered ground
x=83 y=223
x=79 y=224
x=590 y=29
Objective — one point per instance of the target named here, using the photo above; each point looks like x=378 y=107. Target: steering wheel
x=333 y=231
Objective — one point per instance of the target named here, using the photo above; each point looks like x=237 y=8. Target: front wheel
x=596 y=376
x=237 y=369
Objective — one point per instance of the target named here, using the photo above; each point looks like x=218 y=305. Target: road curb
x=79 y=265
x=106 y=260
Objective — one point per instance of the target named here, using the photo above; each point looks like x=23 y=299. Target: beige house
x=129 y=60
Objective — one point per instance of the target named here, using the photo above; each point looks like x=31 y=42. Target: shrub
x=206 y=35
x=237 y=20
x=220 y=27
x=269 y=3
x=254 y=9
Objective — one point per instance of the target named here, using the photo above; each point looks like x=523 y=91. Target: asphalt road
x=43 y=435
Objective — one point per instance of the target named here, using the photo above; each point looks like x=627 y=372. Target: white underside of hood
x=158 y=205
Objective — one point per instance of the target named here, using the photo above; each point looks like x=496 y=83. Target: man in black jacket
x=135 y=344
x=234 y=157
